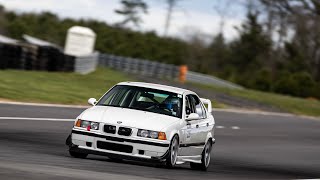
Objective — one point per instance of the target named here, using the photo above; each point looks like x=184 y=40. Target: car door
x=189 y=145
x=203 y=126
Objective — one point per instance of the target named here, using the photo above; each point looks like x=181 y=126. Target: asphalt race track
x=248 y=146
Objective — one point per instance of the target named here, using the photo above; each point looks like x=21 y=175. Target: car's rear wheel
x=205 y=158
x=173 y=152
x=77 y=154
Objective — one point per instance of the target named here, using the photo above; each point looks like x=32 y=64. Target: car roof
x=158 y=86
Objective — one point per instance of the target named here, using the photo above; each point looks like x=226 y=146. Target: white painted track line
x=220 y=127
x=241 y=111
x=45 y=105
x=71 y=120
x=36 y=119
x=264 y=113
x=244 y=111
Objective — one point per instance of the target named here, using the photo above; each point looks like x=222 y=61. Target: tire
x=173 y=152
x=77 y=154
x=68 y=140
x=195 y=166
x=115 y=159
x=205 y=158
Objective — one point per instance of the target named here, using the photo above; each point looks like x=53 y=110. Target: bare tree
x=302 y=18
x=131 y=10
x=222 y=8
x=171 y=5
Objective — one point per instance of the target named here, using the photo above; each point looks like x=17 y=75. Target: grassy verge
x=294 y=105
x=66 y=88
x=72 y=88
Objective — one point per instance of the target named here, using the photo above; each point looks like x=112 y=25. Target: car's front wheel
x=205 y=158
x=115 y=159
x=77 y=154
x=173 y=152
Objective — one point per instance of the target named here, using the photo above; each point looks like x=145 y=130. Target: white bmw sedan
x=150 y=122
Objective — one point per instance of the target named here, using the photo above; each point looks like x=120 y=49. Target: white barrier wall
x=86 y=64
x=80 y=41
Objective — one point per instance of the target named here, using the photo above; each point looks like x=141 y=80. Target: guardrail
x=156 y=69
x=139 y=66
x=45 y=56
x=31 y=57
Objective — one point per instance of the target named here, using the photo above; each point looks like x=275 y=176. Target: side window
x=198 y=107
x=192 y=103
x=188 y=106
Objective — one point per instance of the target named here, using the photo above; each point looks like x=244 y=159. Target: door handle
x=207 y=124
x=197 y=126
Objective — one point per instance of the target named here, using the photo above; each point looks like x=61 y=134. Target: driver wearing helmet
x=172 y=104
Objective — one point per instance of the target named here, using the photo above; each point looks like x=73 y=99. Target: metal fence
x=157 y=69
x=139 y=66
x=36 y=54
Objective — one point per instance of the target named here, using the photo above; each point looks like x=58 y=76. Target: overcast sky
x=190 y=15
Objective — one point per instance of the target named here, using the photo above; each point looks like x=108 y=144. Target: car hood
x=128 y=117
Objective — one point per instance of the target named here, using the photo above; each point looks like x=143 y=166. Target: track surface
x=263 y=147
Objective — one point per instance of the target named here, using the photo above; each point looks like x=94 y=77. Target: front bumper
x=87 y=142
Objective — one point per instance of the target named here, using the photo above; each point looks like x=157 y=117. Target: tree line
x=277 y=50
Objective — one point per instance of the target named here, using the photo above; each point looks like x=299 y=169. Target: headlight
x=87 y=124
x=154 y=134
x=94 y=125
x=143 y=133
x=151 y=134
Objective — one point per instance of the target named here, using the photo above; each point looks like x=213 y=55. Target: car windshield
x=145 y=99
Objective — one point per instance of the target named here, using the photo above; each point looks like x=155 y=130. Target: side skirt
x=194 y=159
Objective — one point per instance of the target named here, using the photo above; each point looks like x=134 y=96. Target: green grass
x=290 y=104
x=216 y=104
x=72 y=88
x=53 y=87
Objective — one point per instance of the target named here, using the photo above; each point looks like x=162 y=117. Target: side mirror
x=92 y=101
x=193 y=116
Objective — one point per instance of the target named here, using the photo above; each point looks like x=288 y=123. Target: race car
x=148 y=122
